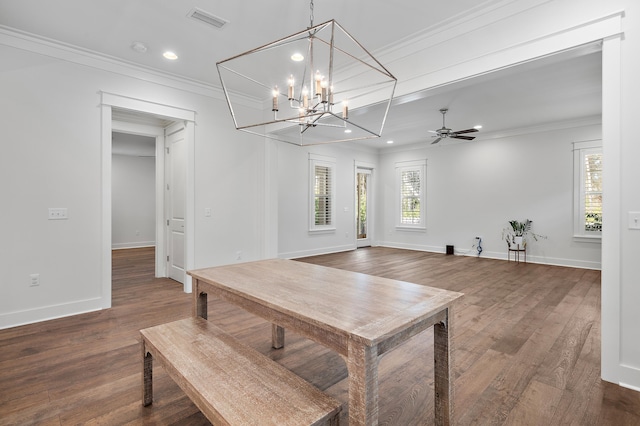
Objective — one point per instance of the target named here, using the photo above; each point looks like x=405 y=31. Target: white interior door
x=176 y=180
x=363 y=203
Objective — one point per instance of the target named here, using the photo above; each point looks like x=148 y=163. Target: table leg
x=147 y=377
x=362 y=365
x=443 y=371
x=277 y=336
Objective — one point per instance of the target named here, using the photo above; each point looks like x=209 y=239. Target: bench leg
x=335 y=420
x=277 y=336
x=147 y=377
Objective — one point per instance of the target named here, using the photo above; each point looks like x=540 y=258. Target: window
x=322 y=193
x=587 y=189
x=411 y=180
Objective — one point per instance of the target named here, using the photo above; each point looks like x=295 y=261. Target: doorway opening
x=133 y=191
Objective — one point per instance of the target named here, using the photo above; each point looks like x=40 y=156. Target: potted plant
x=518 y=231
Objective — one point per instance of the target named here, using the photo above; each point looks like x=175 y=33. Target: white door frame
x=108 y=101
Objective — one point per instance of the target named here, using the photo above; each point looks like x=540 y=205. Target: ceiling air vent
x=207 y=18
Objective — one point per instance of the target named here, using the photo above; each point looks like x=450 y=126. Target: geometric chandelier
x=313 y=87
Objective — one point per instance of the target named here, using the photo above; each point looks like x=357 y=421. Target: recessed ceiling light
x=170 y=55
x=478 y=127
x=347 y=130
x=389 y=142
x=139 y=47
x=297 y=57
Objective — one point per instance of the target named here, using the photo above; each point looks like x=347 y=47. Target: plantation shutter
x=593 y=192
x=323 y=196
x=410 y=197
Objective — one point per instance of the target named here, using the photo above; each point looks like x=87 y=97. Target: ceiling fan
x=445 y=132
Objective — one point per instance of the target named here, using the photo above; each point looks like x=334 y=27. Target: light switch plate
x=634 y=220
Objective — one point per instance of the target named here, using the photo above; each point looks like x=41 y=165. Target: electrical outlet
x=57 y=213
x=34 y=280
x=207 y=212
x=238 y=255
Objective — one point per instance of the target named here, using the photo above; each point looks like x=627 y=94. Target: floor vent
x=207 y=18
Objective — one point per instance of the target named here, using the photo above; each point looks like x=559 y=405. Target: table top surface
x=361 y=306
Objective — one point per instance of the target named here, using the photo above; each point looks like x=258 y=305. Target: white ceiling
x=565 y=87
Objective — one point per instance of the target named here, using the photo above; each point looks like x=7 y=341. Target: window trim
x=330 y=163
x=421 y=167
x=580 y=149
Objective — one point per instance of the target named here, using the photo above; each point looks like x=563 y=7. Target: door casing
x=109 y=101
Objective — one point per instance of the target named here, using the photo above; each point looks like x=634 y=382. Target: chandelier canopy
x=313 y=87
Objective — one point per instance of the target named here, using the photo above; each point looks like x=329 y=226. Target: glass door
x=363 y=222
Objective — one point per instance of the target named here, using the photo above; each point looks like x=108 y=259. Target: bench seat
x=231 y=383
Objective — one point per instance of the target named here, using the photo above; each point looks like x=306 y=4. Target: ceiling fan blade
x=436 y=141
x=466 y=131
x=432 y=131
x=467 y=138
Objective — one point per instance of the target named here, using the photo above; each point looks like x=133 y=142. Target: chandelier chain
x=311 y=14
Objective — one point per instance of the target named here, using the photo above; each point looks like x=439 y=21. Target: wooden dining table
x=359 y=316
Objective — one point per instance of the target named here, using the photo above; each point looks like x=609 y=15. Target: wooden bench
x=232 y=384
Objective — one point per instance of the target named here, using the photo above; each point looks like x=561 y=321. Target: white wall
x=294 y=238
x=53 y=161
x=475 y=188
x=133 y=197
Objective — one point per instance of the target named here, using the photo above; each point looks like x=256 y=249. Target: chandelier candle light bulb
x=291 y=82
x=345 y=109
x=318 y=83
x=324 y=85
x=275 y=99
x=305 y=98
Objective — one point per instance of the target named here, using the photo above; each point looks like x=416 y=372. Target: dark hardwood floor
x=526 y=349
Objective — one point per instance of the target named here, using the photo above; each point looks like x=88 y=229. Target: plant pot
x=518 y=242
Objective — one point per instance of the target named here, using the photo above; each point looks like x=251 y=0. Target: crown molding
x=482 y=15
x=74 y=54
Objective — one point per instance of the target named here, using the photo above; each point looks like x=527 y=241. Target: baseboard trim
x=139 y=244
x=571 y=263
x=46 y=313
x=316 y=252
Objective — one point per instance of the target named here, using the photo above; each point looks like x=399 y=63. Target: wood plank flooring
x=526 y=349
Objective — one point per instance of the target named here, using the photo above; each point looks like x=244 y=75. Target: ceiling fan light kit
x=444 y=132
x=311 y=87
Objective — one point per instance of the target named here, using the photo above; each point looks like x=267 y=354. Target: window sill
x=322 y=231
x=595 y=239
x=411 y=228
